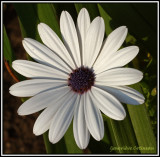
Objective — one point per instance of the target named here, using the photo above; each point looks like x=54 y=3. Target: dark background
x=17 y=130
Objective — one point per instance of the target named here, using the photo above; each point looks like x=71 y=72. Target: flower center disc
x=81 y=80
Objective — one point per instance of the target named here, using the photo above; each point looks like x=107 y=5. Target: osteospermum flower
x=77 y=78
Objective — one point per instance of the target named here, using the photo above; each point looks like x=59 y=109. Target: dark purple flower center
x=81 y=80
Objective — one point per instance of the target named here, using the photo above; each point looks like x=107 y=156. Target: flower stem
x=10 y=71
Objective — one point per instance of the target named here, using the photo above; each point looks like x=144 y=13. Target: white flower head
x=77 y=78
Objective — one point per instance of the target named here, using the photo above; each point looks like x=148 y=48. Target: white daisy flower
x=77 y=78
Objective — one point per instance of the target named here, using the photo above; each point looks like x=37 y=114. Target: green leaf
x=47 y=14
x=122 y=136
x=142 y=126
x=107 y=19
x=8 y=52
x=28 y=19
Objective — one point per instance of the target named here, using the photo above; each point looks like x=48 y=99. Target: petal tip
x=23 y=42
x=83 y=147
x=11 y=91
x=136 y=47
x=83 y=9
x=52 y=140
x=135 y=50
x=24 y=39
x=142 y=100
x=63 y=13
x=11 y=87
x=124 y=29
x=14 y=64
x=41 y=25
x=35 y=132
x=140 y=77
x=27 y=41
x=122 y=117
x=19 y=112
x=98 y=138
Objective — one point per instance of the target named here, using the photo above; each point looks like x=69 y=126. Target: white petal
x=35 y=70
x=112 y=44
x=44 y=120
x=42 y=100
x=69 y=35
x=118 y=59
x=44 y=55
x=80 y=130
x=93 y=41
x=50 y=38
x=83 y=23
x=29 y=88
x=63 y=118
x=93 y=118
x=125 y=94
x=119 y=76
x=108 y=104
